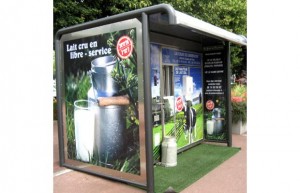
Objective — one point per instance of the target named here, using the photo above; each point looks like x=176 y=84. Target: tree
x=227 y=14
x=230 y=15
x=72 y=12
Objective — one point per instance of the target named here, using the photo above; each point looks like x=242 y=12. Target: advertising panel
x=103 y=101
x=188 y=105
x=215 y=92
x=182 y=107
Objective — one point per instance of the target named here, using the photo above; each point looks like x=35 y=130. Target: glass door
x=167 y=93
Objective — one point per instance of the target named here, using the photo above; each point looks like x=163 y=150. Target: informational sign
x=103 y=122
x=173 y=56
x=215 y=74
x=179 y=73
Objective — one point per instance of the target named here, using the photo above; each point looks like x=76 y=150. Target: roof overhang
x=197 y=25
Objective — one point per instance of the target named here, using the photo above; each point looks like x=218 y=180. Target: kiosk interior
x=127 y=81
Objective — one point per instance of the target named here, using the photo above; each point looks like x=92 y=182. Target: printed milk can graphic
x=103 y=83
x=110 y=123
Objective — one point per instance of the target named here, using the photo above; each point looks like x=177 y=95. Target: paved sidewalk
x=229 y=177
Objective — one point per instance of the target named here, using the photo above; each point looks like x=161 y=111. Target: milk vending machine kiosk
x=130 y=83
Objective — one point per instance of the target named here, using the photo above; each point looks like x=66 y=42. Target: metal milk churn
x=169 y=151
x=103 y=84
x=110 y=124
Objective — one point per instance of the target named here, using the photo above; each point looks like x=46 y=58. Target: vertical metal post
x=162 y=94
x=229 y=107
x=59 y=101
x=147 y=100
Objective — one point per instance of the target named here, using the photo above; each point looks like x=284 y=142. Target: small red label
x=210 y=105
x=179 y=104
x=124 y=47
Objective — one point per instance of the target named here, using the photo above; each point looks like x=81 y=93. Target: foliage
x=116 y=6
x=77 y=86
x=125 y=75
x=227 y=14
x=238 y=60
x=239 y=103
x=239 y=90
x=72 y=12
x=230 y=15
x=239 y=112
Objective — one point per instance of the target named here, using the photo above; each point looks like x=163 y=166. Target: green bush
x=239 y=111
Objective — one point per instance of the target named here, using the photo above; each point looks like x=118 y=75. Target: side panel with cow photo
x=176 y=96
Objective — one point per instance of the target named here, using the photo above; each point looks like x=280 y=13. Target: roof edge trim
x=165 y=8
x=201 y=26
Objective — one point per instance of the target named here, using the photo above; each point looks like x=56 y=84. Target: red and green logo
x=124 y=47
x=210 y=105
x=179 y=104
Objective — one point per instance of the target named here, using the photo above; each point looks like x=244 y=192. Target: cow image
x=190 y=122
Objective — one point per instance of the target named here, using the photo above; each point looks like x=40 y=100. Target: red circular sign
x=179 y=104
x=210 y=105
x=124 y=47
